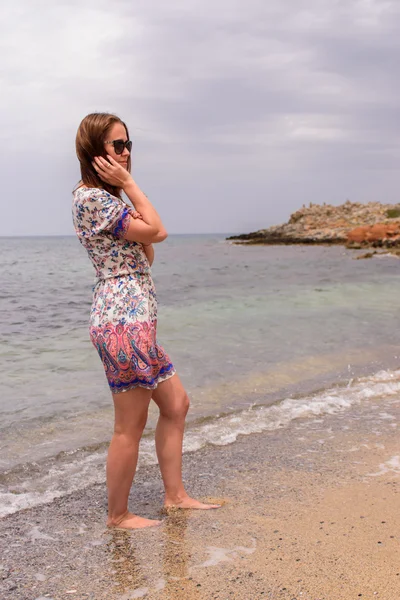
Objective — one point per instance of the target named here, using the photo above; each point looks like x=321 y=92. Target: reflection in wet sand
x=134 y=579
x=176 y=558
x=126 y=568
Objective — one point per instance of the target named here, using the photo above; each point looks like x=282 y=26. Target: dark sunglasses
x=119 y=145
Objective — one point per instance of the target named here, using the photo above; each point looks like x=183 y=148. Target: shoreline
x=329 y=386
x=310 y=513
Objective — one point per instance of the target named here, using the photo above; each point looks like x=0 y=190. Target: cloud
x=287 y=98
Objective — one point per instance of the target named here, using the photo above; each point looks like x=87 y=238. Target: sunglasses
x=119 y=145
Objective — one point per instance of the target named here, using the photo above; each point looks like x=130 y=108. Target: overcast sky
x=240 y=111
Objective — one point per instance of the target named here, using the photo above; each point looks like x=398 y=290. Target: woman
x=119 y=240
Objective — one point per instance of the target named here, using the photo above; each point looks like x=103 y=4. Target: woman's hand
x=135 y=214
x=149 y=252
x=111 y=172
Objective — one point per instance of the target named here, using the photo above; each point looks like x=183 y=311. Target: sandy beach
x=311 y=512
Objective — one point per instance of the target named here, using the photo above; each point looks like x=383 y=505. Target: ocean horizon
x=73 y=235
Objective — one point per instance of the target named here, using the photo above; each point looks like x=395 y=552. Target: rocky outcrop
x=392 y=252
x=354 y=224
x=372 y=234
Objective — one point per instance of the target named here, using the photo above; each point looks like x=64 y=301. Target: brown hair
x=90 y=138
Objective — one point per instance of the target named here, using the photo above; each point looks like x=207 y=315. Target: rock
x=366 y=255
x=353 y=224
x=374 y=233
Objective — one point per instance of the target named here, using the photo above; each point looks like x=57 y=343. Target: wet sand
x=311 y=512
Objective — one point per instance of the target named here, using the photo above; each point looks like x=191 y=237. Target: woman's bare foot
x=188 y=502
x=130 y=521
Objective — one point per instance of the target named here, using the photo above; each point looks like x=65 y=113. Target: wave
x=25 y=487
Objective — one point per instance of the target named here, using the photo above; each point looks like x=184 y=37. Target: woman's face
x=117 y=132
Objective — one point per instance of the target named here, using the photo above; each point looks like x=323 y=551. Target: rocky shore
x=356 y=225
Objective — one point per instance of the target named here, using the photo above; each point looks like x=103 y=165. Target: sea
x=261 y=336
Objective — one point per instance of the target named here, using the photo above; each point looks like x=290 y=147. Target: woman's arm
x=147 y=230
x=148 y=248
x=149 y=252
x=150 y=217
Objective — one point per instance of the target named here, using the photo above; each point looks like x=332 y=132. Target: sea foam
x=85 y=468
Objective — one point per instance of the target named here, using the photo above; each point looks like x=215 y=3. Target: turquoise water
x=244 y=326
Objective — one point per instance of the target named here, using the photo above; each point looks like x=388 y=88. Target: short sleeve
x=98 y=211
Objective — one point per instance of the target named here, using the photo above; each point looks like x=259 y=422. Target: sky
x=239 y=112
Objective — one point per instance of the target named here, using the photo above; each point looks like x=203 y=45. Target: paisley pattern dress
x=123 y=318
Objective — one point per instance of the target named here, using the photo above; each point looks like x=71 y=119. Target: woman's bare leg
x=173 y=403
x=130 y=419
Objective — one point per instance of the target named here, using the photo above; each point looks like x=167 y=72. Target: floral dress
x=123 y=318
